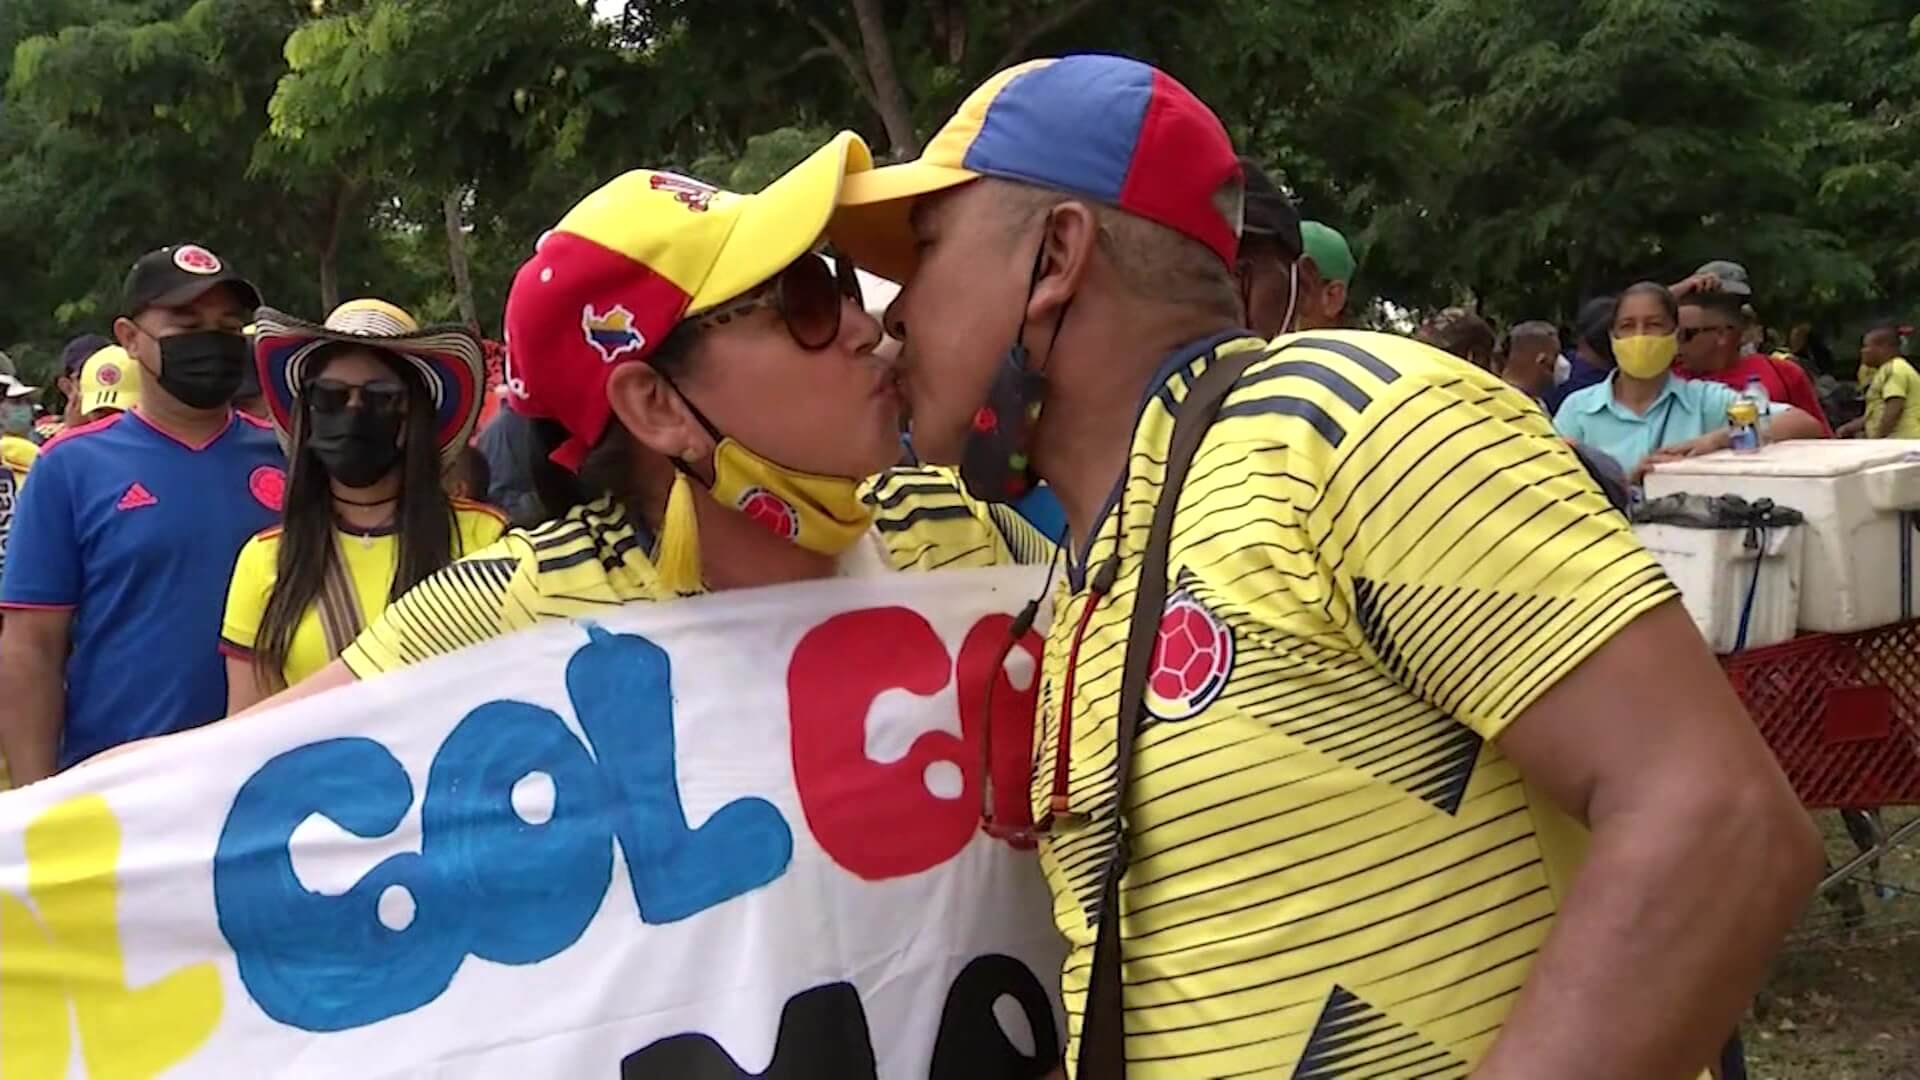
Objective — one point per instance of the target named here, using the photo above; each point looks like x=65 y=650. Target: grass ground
x=1844 y=1001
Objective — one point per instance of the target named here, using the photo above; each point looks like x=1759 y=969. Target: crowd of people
x=1436 y=798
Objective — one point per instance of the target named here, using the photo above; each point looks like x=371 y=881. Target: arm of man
x=1701 y=859
x=1890 y=416
x=41 y=588
x=33 y=661
x=1607 y=702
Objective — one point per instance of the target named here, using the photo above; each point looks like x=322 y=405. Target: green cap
x=1328 y=250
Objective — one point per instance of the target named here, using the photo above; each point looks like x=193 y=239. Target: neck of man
x=195 y=427
x=1638 y=394
x=1713 y=364
x=372 y=507
x=1093 y=399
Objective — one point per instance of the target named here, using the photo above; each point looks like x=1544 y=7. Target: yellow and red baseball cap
x=626 y=265
x=110 y=379
x=1106 y=127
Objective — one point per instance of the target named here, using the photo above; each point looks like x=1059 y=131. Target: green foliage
x=1517 y=154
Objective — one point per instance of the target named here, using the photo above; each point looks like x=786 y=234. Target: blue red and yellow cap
x=1106 y=127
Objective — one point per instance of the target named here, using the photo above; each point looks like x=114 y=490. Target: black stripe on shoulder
x=896 y=495
x=924 y=513
x=1381 y=370
x=557 y=534
x=1288 y=405
x=563 y=562
x=1341 y=386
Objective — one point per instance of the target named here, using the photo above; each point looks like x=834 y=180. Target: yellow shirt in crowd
x=370 y=561
x=1894 y=380
x=596 y=557
x=1382 y=557
x=18 y=454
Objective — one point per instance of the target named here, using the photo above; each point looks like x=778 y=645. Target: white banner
x=726 y=837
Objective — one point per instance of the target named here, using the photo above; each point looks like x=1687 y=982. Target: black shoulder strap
x=1103 y=1034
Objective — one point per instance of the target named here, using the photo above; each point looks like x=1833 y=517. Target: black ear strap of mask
x=1103 y=1053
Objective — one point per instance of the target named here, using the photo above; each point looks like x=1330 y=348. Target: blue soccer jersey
x=135 y=532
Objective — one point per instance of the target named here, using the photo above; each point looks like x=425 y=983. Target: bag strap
x=1103 y=1031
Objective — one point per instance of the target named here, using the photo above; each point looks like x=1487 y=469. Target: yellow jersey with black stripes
x=597 y=557
x=1381 y=557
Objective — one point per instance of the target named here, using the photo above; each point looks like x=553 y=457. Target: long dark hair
x=424 y=517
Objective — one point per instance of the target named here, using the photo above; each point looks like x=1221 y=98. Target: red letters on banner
x=880 y=819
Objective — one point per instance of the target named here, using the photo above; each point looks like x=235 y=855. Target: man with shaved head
x=1396 y=796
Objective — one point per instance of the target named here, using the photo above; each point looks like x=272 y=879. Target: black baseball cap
x=180 y=274
x=1270 y=215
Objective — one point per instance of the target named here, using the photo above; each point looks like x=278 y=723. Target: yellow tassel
x=677 y=558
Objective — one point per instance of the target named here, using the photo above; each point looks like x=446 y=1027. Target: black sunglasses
x=331 y=396
x=808 y=295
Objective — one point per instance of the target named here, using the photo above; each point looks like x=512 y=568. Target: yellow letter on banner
x=125 y=1034
x=34 y=1042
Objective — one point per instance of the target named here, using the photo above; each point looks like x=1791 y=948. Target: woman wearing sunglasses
x=370 y=407
x=1643 y=414
x=707 y=389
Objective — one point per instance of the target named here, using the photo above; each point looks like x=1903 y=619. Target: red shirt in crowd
x=1785 y=381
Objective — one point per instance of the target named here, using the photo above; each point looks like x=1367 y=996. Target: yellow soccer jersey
x=1382 y=556
x=1894 y=380
x=594 y=558
x=371 y=563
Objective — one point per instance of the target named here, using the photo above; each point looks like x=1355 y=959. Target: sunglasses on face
x=1688 y=333
x=331 y=396
x=808 y=294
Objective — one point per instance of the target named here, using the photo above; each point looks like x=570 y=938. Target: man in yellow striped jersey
x=1436 y=777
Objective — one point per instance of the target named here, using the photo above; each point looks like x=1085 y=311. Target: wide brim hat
x=448 y=358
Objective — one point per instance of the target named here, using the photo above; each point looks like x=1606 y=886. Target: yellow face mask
x=823 y=514
x=1645 y=356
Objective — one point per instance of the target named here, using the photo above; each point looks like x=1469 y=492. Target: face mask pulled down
x=1645 y=356
x=823 y=514
x=996 y=458
x=358 y=447
x=203 y=369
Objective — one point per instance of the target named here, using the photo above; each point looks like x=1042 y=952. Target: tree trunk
x=889 y=95
x=457 y=259
x=336 y=224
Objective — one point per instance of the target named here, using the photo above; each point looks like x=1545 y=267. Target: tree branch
x=839 y=48
x=798 y=62
x=1059 y=17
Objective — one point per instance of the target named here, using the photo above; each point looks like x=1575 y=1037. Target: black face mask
x=357 y=446
x=996 y=461
x=202 y=370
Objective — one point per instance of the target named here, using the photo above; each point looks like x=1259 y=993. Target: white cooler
x=1859 y=497
x=1714 y=571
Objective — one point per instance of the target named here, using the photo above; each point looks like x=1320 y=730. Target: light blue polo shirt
x=1684 y=410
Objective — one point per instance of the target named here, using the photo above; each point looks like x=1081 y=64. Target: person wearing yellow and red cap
x=109 y=382
x=708 y=403
x=1396 y=688
x=371 y=408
